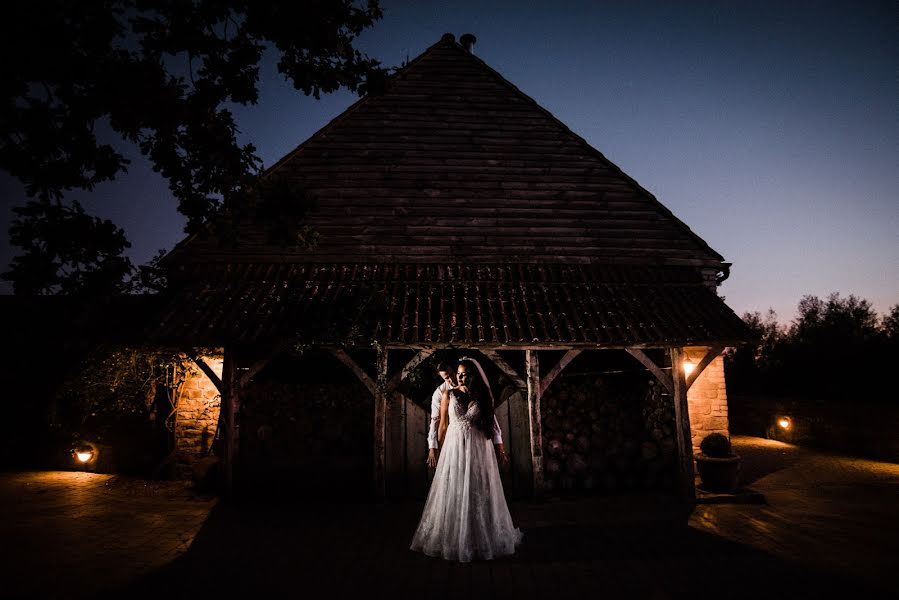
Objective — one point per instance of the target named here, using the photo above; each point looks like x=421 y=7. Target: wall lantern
x=689 y=366
x=784 y=423
x=84 y=453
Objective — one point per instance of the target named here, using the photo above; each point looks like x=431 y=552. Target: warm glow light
x=688 y=367
x=84 y=456
x=784 y=422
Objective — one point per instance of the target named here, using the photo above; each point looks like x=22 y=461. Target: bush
x=716 y=445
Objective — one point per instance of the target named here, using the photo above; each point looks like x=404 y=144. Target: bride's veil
x=483 y=377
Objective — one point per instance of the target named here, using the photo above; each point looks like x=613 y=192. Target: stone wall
x=707 y=399
x=198 y=413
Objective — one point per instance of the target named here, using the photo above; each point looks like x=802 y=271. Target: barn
x=449 y=214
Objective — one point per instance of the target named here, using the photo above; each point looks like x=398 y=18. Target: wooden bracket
x=215 y=379
x=505 y=368
x=663 y=377
x=556 y=370
x=710 y=355
x=416 y=360
x=345 y=358
x=257 y=366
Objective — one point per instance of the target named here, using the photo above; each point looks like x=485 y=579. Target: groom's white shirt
x=436 y=397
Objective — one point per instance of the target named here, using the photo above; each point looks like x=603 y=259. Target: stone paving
x=830 y=525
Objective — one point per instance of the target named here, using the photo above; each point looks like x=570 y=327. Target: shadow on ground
x=340 y=550
x=763 y=457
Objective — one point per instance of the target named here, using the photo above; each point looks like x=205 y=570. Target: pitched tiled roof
x=453 y=163
x=482 y=305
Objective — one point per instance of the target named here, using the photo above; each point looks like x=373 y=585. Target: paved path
x=829 y=525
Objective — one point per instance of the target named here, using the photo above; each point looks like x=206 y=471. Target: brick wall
x=198 y=413
x=707 y=399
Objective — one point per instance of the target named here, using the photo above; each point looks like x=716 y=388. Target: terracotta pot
x=719 y=474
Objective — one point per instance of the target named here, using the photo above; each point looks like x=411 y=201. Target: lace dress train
x=466 y=516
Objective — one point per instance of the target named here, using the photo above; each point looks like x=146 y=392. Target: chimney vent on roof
x=468 y=40
x=448 y=38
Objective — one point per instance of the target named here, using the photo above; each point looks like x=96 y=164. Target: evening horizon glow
x=770 y=131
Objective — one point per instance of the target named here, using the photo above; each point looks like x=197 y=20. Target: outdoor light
x=84 y=453
x=784 y=422
x=689 y=365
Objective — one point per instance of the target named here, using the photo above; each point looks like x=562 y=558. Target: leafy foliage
x=835 y=348
x=160 y=74
x=125 y=398
x=67 y=251
x=120 y=382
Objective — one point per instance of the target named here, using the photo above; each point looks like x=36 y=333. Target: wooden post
x=229 y=408
x=380 y=421
x=532 y=366
x=686 y=477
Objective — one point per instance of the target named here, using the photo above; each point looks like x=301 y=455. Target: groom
x=447 y=373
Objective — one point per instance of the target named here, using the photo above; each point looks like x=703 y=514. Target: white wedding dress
x=466 y=516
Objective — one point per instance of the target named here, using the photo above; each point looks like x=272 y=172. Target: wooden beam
x=663 y=377
x=257 y=366
x=710 y=355
x=345 y=358
x=416 y=360
x=481 y=346
x=216 y=381
x=230 y=405
x=564 y=362
x=380 y=433
x=532 y=366
x=683 y=434
x=506 y=368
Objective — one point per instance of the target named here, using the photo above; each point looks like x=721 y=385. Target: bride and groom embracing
x=465 y=516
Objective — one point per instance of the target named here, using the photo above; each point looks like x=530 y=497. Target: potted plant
x=718 y=466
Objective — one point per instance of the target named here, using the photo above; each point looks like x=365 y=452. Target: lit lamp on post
x=84 y=454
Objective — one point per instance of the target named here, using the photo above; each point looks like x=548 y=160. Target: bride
x=466 y=516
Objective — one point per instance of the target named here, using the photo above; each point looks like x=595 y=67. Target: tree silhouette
x=159 y=74
x=835 y=349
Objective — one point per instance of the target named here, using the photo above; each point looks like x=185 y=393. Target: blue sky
x=770 y=128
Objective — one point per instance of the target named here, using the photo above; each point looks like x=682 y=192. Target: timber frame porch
x=531 y=383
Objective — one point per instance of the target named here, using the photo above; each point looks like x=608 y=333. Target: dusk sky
x=770 y=128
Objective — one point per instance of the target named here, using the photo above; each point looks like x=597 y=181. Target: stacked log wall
x=608 y=433
x=307 y=437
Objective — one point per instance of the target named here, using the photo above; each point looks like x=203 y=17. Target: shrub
x=716 y=445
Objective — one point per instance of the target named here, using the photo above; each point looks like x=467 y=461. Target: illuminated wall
x=198 y=412
x=707 y=399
